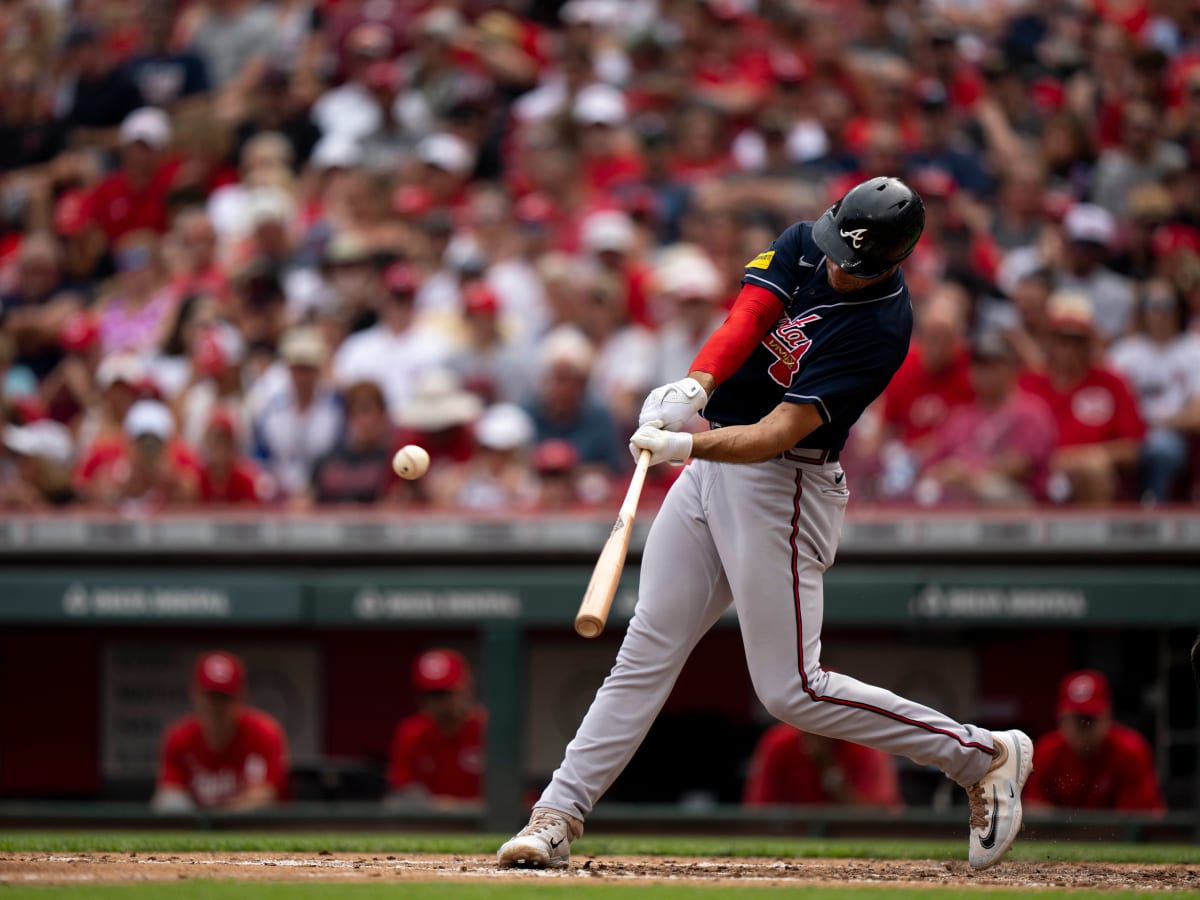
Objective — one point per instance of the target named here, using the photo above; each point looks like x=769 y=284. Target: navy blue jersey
x=835 y=351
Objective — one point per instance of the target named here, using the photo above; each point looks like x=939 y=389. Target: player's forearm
x=779 y=430
x=706 y=381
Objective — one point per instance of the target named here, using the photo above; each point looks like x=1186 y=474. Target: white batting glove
x=672 y=405
x=664 y=446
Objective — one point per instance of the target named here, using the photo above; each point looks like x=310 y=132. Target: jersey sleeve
x=400 y=756
x=272 y=745
x=841 y=378
x=777 y=268
x=171 y=771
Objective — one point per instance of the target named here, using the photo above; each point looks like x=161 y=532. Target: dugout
x=979 y=615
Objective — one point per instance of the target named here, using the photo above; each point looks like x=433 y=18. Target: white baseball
x=410 y=461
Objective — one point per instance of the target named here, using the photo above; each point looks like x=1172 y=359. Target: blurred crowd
x=248 y=249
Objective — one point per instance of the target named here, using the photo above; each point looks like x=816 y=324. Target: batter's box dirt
x=117 y=868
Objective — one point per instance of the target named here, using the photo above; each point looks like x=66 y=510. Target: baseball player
x=820 y=326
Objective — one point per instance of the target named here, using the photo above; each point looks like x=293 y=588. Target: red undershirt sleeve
x=754 y=311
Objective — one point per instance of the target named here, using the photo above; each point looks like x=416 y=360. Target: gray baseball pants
x=759 y=536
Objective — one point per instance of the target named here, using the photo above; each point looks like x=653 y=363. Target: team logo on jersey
x=762 y=261
x=788 y=343
x=856 y=237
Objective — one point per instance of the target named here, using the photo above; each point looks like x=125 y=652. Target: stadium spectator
x=1141 y=158
x=1091 y=234
x=497 y=477
x=1162 y=363
x=436 y=756
x=1091 y=761
x=438 y=417
x=359 y=468
x=1099 y=428
x=686 y=306
x=147 y=472
x=225 y=754
x=39 y=476
x=34 y=305
x=136 y=316
x=232 y=37
x=163 y=73
x=793 y=768
x=134 y=197
x=562 y=406
x=995 y=449
x=297 y=413
x=489 y=362
x=397 y=351
x=97 y=91
x=226 y=477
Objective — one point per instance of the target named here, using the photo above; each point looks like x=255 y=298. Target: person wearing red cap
x=1090 y=761
x=437 y=753
x=226 y=754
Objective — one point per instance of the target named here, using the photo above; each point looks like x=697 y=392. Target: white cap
x=303 y=345
x=1091 y=223
x=600 y=13
x=439 y=401
x=608 y=229
x=504 y=426
x=600 y=104
x=448 y=152
x=336 y=151
x=686 y=271
x=44 y=439
x=269 y=204
x=149 y=417
x=119 y=367
x=149 y=125
x=567 y=344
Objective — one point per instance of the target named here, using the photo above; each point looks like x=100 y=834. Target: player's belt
x=814 y=455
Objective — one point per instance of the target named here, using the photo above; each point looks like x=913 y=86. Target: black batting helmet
x=873 y=227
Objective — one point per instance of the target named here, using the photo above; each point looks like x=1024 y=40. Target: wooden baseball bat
x=597 y=600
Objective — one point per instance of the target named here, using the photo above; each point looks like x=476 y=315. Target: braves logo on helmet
x=788 y=343
x=856 y=237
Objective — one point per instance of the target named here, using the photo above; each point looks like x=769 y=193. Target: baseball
x=410 y=461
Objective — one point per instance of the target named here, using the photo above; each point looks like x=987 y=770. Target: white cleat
x=996 y=799
x=545 y=843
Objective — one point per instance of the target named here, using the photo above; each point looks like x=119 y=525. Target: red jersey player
x=437 y=753
x=1090 y=761
x=226 y=754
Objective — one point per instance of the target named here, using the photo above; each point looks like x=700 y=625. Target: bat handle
x=629 y=506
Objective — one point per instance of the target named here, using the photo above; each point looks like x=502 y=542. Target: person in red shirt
x=1090 y=761
x=225 y=755
x=437 y=753
x=135 y=196
x=792 y=767
x=227 y=477
x=935 y=377
x=1099 y=427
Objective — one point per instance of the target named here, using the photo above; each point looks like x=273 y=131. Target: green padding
x=549 y=596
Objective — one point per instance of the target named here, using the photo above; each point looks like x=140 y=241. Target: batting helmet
x=873 y=227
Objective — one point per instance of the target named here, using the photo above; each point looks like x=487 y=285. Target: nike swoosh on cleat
x=988 y=841
x=554 y=846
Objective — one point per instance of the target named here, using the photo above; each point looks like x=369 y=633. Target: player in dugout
x=1090 y=761
x=225 y=754
x=437 y=753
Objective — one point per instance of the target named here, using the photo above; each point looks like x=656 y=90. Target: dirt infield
x=118 y=868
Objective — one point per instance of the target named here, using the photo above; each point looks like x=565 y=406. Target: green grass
x=226 y=890
x=647 y=845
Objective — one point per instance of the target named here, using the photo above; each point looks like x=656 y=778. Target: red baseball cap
x=218 y=672
x=479 y=298
x=1084 y=693
x=440 y=670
